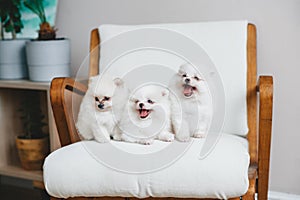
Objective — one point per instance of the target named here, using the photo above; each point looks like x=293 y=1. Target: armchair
x=258 y=137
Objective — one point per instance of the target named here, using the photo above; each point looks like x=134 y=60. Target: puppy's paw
x=101 y=134
x=166 y=136
x=181 y=138
x=101 y=140
x=169 y=138
x=146 y=142
x=199 y=134
x=117 y=134
x=117 y=137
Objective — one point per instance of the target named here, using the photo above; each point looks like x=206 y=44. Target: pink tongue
x=144 y=113
x=188 y=90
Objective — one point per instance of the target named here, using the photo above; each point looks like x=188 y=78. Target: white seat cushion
x=73 y=171
x=225 y=43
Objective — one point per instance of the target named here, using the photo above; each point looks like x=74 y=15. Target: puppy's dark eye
x=96 y=99
x=197 y=78
x=106 y=98
x=150 y=101
x=136 y=101
x=184 y=75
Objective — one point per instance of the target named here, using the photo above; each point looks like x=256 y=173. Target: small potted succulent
x=33 y=144
x=12 y=51
x=47 y=56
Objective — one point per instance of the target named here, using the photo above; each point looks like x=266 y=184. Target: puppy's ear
x=118 y=82
x=165 y=93
x=181 y=72
x=93 y=79
x=133 y=99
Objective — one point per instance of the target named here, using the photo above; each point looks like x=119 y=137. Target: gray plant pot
x=13 y=59
x=48 y=59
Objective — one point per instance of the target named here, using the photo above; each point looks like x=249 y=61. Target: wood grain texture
x=38 y=184
x=94 y=53
x=56 y=97
x=252 y=93
x=265 y=86
x=252 y=174
x=19 y=172
x=53 y=134
x=62 y=108
x=53 y=198
x=24 y=84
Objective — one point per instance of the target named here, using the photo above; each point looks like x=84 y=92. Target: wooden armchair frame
x=259 y=137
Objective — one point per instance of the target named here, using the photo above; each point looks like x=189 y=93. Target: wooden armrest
x=265 y=88
x=62 y=111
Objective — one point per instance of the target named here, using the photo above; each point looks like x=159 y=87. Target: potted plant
x=12 y=51
x=33 y=144
x=47 y=56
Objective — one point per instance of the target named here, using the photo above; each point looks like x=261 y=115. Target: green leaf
x=37 y=7
x=8 y=28
x=10 y=15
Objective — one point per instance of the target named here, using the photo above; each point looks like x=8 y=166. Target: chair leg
x=265 y=132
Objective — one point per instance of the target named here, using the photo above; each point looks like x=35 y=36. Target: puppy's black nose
x=101 y=106
x=141 y=105
x=187 y=80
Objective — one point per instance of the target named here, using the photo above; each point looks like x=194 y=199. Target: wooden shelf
x=24 y=84
x=18 y=172
x=11 y=94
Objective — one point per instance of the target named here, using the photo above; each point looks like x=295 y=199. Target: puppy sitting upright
x=100 y=108
x=191 y=106
x=147 y=116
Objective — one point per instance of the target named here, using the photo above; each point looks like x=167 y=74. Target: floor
x=18 y=193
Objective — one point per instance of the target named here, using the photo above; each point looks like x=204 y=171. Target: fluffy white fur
x=191 y=105
x=147 y=116
x=101 y=107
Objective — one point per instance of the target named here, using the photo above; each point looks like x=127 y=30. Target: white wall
x=278 y=23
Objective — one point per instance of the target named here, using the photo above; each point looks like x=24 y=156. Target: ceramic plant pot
x=13 y=59
x=48 y=59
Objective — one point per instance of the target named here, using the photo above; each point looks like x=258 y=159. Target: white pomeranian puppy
x=191 y=106
x=147 y=116
x=101 y=107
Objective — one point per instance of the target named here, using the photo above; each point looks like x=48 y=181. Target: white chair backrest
x=222 y=44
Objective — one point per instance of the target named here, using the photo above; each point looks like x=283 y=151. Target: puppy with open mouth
x=191 y=107
x=147 y=116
